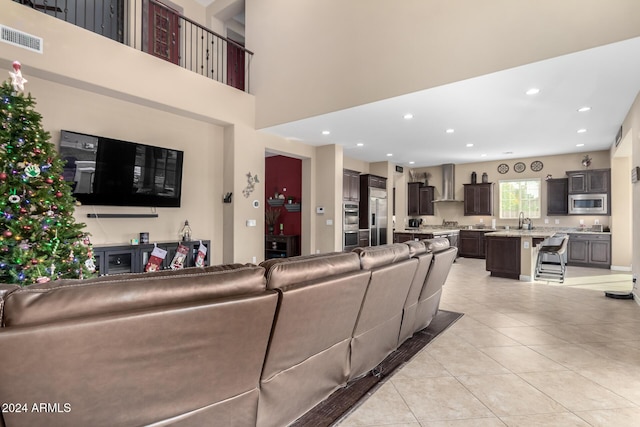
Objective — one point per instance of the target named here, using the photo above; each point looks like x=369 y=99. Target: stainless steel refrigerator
x=377 y=216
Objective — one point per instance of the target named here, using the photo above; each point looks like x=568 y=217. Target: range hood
x=448 y=184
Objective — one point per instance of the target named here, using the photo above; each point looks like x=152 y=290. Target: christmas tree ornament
x=14 y=198
x=32 y=170
x=185 y=232
x=16 y=77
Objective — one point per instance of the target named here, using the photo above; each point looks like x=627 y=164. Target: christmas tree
x=39 y=238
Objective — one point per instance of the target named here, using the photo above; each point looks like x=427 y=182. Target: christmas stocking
x=155 y=260
x=202 y=253
x=180 y=256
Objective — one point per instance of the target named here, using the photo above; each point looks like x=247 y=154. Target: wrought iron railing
x=160 y=31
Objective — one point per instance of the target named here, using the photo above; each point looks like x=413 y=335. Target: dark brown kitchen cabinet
x=589 y=181
x=558 y=196
x=420 y=199
x=503 y=256
x=350 y=185
x=478 y=199
x=472 y=244
x=373 y=181
x=589 y=250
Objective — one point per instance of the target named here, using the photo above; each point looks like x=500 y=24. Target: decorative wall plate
x=536 y=166
x=519 y=167
x=503 y=168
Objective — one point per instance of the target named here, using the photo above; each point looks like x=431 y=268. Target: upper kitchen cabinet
x=350 y=185
x=589 y=181
x=558 y=196
x=420 y=199
x=478 y=199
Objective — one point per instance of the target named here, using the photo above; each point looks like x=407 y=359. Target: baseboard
x=620 y=268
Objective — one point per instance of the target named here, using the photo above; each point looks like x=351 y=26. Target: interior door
x=162 y=32
x=235 y=66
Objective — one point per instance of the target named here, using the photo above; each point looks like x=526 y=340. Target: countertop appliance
x=415 y=223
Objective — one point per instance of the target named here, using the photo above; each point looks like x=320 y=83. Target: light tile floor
x=524 y=354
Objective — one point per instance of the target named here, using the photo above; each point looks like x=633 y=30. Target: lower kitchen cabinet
x=589 y=250
x=363 y=238
x=472 y=244
x=503 y=256
x=405 y=237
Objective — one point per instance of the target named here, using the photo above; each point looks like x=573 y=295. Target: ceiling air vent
x=20 y=39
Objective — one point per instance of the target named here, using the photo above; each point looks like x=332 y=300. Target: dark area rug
x=345 y=400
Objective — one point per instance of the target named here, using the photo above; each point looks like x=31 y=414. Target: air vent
x=20 y=39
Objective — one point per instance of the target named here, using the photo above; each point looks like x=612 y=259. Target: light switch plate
x=329 y=222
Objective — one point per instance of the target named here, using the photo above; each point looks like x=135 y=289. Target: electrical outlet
x=481 y=220
x=329 y=222
x=546 y=220
x=525 y=244
x=596 y=222
x=254 y=259
x=582 y=222
x=557 y=221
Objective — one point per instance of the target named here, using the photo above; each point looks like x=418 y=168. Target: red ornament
x=61 y=178
x=48 y=181
x=34 y=261
x=27 y=227
x=7 y=233
x=58 y=194
x=54 y=208
x=3 y=176
x=36 y=151
x=23 y=211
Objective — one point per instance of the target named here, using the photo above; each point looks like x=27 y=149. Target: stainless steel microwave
x=588 y=204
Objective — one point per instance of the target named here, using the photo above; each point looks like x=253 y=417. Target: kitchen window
x=520 y=195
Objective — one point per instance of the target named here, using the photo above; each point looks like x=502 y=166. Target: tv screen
x=107 y=171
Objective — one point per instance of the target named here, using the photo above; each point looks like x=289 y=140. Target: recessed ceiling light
x=408 y=116
x=583 y=109
x=360 y=144
x=450 y=130
x=389 y=154
x=483 y=155
x=469 y=145
x=533 y=91
x=412 y=163
x=507 y=152
x=326 y=132
x=582 y=130
x=579 y=145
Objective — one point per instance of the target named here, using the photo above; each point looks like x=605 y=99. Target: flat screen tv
x=107 y=171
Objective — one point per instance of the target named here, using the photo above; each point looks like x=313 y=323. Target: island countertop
x=537 y=234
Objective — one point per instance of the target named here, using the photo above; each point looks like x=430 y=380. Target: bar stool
x=547 y=270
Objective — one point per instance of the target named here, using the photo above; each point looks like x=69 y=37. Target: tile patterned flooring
x=524 y=354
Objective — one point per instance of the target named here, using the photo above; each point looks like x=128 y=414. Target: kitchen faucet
x=520 y=220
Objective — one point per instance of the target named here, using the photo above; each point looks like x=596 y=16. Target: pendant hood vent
x=448 y=184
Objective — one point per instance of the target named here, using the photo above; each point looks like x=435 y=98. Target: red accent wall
x=284 y=172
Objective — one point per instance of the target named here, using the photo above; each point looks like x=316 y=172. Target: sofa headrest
x=377 y=256
x=438 y=244
x=416 y=247
x=67 y=299
x=287 y=271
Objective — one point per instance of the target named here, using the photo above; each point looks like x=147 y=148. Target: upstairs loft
x=158 y=30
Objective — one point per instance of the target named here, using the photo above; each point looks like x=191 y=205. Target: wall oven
x=588 y=204
x=350 y=225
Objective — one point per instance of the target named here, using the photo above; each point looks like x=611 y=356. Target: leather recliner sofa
x=237 y=345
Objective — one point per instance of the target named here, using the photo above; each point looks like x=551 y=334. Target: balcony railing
x=156 y=29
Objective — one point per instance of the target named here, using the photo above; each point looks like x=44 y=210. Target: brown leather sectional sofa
x=232 y=345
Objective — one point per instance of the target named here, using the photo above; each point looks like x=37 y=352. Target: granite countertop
x=429 y=230
x=542 y=234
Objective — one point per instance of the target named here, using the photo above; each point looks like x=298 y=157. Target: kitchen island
x=513 y=253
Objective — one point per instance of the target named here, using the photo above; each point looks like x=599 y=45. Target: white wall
x=318 y=56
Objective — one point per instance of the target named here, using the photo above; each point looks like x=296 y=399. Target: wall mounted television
x=107 y=171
